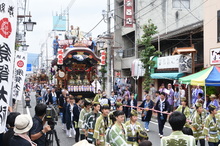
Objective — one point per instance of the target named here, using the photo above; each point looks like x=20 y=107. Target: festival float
x=76 y=68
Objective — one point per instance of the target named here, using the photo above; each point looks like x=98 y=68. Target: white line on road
x=157 y=124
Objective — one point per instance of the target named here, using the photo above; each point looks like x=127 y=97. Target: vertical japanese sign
x=19 y=74
x=103 y=57
x=60 y=57
x=128 y=13
x=8 y=24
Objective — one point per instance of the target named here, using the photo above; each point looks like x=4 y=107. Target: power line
x=94 y=27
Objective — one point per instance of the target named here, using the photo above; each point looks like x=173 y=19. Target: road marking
x=157 y=124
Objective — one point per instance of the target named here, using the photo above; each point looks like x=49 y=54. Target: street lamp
x=120 y=53
x=29 y=25
x=24 y=47
x=101 y=43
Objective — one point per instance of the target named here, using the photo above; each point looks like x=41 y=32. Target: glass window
x=218 y=26
x=181 y=4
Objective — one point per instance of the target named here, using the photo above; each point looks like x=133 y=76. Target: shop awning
x=168 y=76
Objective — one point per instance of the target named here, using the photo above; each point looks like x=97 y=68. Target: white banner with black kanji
x=19 y=74
x=8 y=27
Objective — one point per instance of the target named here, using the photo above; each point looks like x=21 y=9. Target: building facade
x=179 y=24
x=211 y=33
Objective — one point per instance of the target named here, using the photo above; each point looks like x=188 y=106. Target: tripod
x=50 y=137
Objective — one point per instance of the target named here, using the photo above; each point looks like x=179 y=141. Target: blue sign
x=59 y=23
x=29 y=67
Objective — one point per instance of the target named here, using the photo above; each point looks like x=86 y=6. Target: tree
x=149 y=52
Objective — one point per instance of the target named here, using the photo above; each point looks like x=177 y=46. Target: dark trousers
x=82 y=136
x=77 y=135
x=212 y=144
x=201 y=141
x=161 y=123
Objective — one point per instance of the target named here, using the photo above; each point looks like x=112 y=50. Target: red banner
x=128 y=13
x=103 y=57
x=60 y=57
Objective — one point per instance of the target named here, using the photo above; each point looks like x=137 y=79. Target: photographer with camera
x=38 y=131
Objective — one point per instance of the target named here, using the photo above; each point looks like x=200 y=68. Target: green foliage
x=149 y=52
x=210 y=90
x=103 y=71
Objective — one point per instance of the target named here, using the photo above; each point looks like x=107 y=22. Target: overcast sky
x=84 y=13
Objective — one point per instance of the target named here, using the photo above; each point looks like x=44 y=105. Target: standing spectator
x=211 y=127
x=194 y=97
x=132 y=102
x=65 y=110
x=170 y=96
x=11 y=123
x=152 y=92
x=44 y=92
x=54 y=97
x=157 y=96
x=69 y=117
x=38 y=95
x=61 y=102
x=125 y=103
x=113 y=98
x=118 y=133
x=145 y=95
x=93 y=44
x=162 y=105
x=199 y=98
x=55 y=45
x=23 y=124
x=116 y=88
x=127 y=92
x=76 y=112
x=213 y=101
x=162 y=88
x=176 y=98
x=198 y=122
x=104 y=100
x=48 y=98
x=196 y=93
x=177 y=138
x=182 y=91
x=147 y=104
x=38 y=130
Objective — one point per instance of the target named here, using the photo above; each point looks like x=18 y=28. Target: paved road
x=66 y=141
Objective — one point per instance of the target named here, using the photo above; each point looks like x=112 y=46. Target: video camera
x=51 y=116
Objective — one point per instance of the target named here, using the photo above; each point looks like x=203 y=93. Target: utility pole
x=109 y=81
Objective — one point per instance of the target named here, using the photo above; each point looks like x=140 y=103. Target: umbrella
x=214 y=77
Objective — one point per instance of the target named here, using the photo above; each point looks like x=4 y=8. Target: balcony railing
x=130 y=52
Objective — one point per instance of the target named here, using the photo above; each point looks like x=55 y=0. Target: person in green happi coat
x=90 y=121
x=183 y=108
x=177 y=120
x=101 y=125
x=118 y=132
x=198 y=123
x=211 y=128
x=133 y=127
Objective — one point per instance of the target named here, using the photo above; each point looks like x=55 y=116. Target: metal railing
x=130 y=52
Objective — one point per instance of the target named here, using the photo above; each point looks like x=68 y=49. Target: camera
x=51 y=116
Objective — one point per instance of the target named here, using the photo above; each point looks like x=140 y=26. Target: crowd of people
x=113 y=119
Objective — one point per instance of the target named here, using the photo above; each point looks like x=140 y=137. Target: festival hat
x=198 y=104
x=183 y=99
x=134 y=112
x=143 y=133
x=212 y=96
